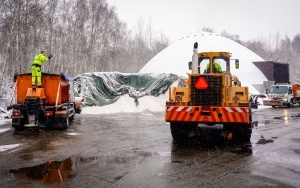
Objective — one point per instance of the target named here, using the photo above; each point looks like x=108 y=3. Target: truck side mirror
x=190 y=65
x=237 y=64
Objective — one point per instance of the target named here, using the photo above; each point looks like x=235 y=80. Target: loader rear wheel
x=181 y=131
x=241 y=132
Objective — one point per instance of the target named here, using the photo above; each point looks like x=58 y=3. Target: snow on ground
x=7 y=147
x=127 y=104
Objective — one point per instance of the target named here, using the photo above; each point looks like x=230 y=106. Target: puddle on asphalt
x=51 y=172
x=55 y=172
x=287 y=117
x=264 y=141
x=297 y=151
x=284 y=118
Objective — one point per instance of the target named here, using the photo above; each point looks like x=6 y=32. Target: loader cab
x=215 y=66
x=214 y=62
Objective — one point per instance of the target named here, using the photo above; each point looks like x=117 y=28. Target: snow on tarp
x=104 y=88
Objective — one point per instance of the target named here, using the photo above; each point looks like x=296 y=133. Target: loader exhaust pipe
x=195 y=59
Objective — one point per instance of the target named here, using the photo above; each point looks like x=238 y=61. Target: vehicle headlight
x=178 y=98
x=236 y=98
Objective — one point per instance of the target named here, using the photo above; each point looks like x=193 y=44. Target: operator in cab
x=216 y=68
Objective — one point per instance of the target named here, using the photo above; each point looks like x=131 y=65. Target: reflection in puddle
x=73 y=134
x=49 y=172
x=287 y=117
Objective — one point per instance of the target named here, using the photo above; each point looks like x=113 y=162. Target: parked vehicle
x=52 y=105
x=283 y=95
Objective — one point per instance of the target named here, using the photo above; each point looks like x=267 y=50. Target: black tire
x=78 y=110
x=241 y=132
x=20 y=126
x=291 y=103
x=72 y=117
x=18 y=129
x=181 y=131
x=65 y=122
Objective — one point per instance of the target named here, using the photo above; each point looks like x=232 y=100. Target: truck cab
x=282 y=95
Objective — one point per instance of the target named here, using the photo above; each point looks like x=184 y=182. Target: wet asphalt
x=137 y=150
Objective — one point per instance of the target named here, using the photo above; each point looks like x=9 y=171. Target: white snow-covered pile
x=174 y=59
x=126 y=104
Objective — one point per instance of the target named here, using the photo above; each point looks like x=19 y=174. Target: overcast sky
x=250 y=19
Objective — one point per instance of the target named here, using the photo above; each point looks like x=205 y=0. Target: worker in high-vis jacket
x=36 y=71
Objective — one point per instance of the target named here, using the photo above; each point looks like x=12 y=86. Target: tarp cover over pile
x=103 y=88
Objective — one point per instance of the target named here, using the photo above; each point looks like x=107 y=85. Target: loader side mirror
x=237 y=64
x=190 y=65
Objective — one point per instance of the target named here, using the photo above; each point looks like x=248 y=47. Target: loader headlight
x=178 y=98
x=236 y=98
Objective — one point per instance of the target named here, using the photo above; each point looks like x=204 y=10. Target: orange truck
x=53 y=105
x=211 y=97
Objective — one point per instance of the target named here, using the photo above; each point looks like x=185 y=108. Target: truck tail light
x=16 y=113
x=48 y=113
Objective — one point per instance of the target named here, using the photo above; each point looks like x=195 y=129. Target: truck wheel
x=66 y=122
x=20 y=126
x=72 y=117
x=18 y=129
x=291 y=103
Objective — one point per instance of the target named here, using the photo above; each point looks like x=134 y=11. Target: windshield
x=219 y=65
x=278 y=89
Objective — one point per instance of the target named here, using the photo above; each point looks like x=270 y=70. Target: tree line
x=88 y=36
x=82 y=35
x=275 y=48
